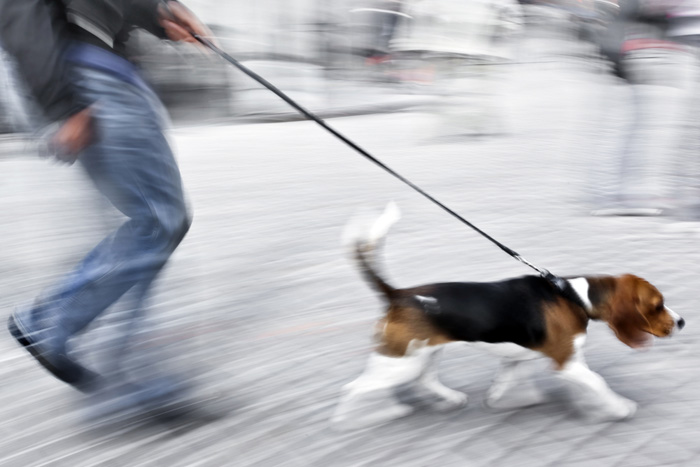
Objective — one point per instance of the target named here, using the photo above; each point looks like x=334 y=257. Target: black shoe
x=58 y=364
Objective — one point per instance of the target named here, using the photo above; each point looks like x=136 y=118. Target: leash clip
x=563 y=287
x=558 y=282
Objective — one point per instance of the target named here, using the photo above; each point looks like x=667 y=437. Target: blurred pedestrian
x=658 y=72
x=71 y=55
x=387 y=16
x=684 y=28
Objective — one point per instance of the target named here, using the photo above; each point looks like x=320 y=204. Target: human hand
x=73 y=136
x=181 y=24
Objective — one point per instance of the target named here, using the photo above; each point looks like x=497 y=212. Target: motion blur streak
x=566 y=129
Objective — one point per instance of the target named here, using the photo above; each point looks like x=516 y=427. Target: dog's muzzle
x=679 y=322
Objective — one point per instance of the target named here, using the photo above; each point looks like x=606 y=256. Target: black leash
x=559 y=283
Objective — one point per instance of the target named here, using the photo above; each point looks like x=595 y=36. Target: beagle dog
x=518 y=319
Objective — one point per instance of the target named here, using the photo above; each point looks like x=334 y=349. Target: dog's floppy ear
x=626 y=319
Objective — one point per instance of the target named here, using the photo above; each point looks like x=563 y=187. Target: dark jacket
x=37 y=32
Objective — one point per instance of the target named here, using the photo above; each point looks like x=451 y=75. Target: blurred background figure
x=659 y=74
x=387 y=14
x=684 y=28
x=462 y=47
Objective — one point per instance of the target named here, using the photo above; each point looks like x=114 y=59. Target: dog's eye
x=659 y=308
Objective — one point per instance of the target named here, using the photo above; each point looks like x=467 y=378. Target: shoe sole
x=78 y=377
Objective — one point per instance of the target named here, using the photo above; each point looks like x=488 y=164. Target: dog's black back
x=505 y=311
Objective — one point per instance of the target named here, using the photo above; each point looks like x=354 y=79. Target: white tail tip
x=371 y=231
x=382 y=225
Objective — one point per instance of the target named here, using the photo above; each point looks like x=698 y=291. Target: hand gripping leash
x=559 y=283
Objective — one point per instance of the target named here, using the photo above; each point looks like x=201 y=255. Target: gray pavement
x=265 y=312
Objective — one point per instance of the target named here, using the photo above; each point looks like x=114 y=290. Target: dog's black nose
x=681 y=323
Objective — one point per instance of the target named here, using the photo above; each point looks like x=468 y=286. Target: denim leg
x=132 y=165
x=661 y=80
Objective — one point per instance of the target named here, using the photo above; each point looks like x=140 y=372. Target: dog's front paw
x=451 y=400
x=456 y=399
x=620 y=409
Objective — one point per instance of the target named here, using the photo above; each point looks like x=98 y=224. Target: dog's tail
x=363 y=243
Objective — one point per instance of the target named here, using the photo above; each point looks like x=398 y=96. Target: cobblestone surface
x=263 y=308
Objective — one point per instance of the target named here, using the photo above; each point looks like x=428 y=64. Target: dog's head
x=637 y=311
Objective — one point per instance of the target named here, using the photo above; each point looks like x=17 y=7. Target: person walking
x=684 y=28
x=71 y=56
x=657 y=70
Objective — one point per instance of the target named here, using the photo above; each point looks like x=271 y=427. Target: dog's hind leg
x=514 y=386
x=371 y=398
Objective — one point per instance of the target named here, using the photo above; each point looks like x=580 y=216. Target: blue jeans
x=132 y=165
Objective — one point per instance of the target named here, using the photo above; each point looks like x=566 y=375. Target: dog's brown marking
x=650 y=304
x=635 y=310
x=563 y=321
x=403 y=324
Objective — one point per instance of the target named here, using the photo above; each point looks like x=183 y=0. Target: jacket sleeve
x=106 y=19
x=144 y=14
x=32 y=36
